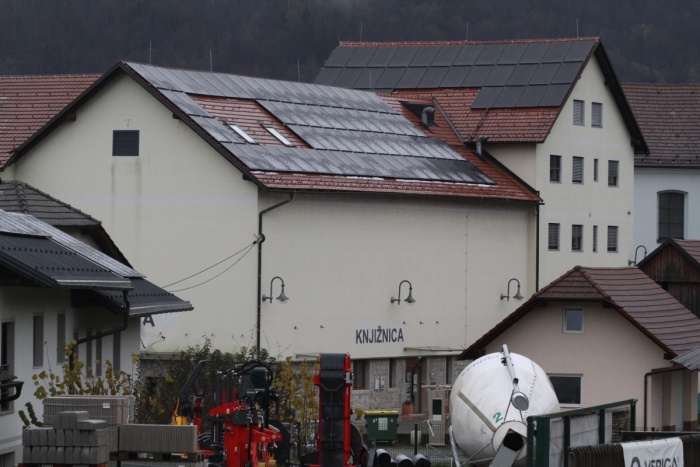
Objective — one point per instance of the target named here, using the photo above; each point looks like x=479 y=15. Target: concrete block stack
x=73 y=439
x=159 y=446
x=115 y=410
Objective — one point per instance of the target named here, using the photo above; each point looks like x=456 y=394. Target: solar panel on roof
x=522 y=74
x=509 y=96
x=368 y=78
x=490 y=54
x=446 y=56
x=468 y=55
x=579 y=51
x=403 y=56
x=185 y=103
x=433 y=77
x=215 y=86
x=173 y=79
x=534 y=52
x=425 y=55
x=511 y=54
x=340 y=56
x=477 y=76
x=229 y=83
x=567 y=73
x=455 y=76
x=411 y=78
x=199 y=84
x=152 y=75
x=216 y=129
x=348 y=77
x=532 y=95
x=360 y=57
x=556 y=52
x=544 y=73
x=486 y=97
x=554 y=96
x=499 y=75
x=382 y=56
x=327 y=76
x=390 y=78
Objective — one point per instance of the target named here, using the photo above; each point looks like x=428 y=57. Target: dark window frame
x=670 y=205
x=126 y=143
x=579 y=112
x=577 y=163
x=360 y=377
x=554 y=168
x=568 y=388
x=613 y=173
x=577 y=237
x=613 y=239
x=573 y=320
x=597 y=114
x=554 y=236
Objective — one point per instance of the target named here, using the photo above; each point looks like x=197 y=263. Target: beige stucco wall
x=180 y=207
x=611 y=355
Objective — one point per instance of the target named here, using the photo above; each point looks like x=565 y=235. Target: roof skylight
x=242 y=133
x=273 y=131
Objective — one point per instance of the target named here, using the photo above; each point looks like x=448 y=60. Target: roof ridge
x=466 y=42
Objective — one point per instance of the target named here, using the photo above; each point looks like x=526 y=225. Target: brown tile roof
x=669 y=117
x=634 y=295
x=28 y=102
x=691 y=247
x=688 y=248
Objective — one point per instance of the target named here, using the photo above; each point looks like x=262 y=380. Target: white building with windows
x=667 y=179
x=552 y=111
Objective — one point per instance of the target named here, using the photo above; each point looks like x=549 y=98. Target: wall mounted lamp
x=634 y=261
x=517 y=295
x=282 y=298
x=410 y=300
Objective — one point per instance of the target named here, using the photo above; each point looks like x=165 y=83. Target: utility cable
x=250 y=247
x=212 y=266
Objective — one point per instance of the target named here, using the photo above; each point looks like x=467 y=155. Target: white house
x=229 y=188
x=667 y=179
x=552 y=111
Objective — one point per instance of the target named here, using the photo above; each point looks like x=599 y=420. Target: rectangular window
x=579 y=113
x=597 y=115
x=567 y=388
x=595 y=170
x=125 y=143
x=595 y=238
x=577 y=170
x=671 y=215
x=554 y=168
x=573 y=320
x=612 y=238
x=392 y=373
x=273 y=131
x=241 y=133
x=7 y=357
x=38 y=353
x=553 y=237
x=60 y=338
x=360 y=368
x=613 y=173
x=576 y=237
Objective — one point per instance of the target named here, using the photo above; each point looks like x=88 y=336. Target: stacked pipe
x=383 y=459
x=73 y=439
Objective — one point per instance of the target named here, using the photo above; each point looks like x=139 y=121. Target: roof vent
x=427 y=117
x=480 y=145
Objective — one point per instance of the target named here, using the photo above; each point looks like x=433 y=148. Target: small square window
x=597 y=115
x=125 y=143
x=577 y=171
x=573 y=320
x=567 y=388
x=612 y=238
x=554 y=168
x=579 y=113
x=576 y=237
x=613 y=173
x=553 y=237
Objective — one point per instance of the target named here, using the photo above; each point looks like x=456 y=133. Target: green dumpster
x=382 y=424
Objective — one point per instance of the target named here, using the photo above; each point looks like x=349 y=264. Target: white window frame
x=579 y=112
x=554 y=168
x=596 y=115
x=577 y=170
x=552 y=233
x=569 y=311
x=580 y=388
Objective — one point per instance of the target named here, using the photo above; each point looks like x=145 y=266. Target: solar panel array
x=352 y=133
x=527 y=74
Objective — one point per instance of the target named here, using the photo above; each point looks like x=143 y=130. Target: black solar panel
x=532 y=95
x=579 y=51
x=511 y=54
x=411 y=78
x=447 y=54
x=567 y=72
x=468 y=55
x=490 y=54
x=403 y=56
x=361 y=57
x=534 y=52
x=554 y=96
x=340 y=56
x=455 y=76
x=368 y=78
x=348 y=77
x=185 y=103
x=509 y=97
x=433 y=77
x=522 y=74
x=425 y=55
x=382 y=56
x=544 y=73
x=477 y=76
x=327 y=76
x=390 y=78
x=486 y=97
x=499 y=75
x=556 y=52
x=216 y=129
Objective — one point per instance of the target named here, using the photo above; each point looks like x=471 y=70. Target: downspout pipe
x=261 y=239
x=124 y=325
x=537 y=246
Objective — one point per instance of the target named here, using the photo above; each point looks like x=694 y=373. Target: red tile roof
x=691 y=247
x=688 y=248
x=28 y=102
x=669 y=117
x=634 y=295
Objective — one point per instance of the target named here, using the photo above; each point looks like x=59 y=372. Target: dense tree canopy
x=647 y=40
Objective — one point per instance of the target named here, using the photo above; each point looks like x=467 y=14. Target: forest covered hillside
x=647 y=40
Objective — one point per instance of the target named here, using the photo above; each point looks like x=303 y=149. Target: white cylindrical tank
x=481 y=412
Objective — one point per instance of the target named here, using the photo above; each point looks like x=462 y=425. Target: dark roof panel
x=403 y=56
x=340 y=56
x=499 y=75
x=509 y=97
x=556 y=52
x=447 y=55
x=544 y=73
x=477 y=76
x=486 y=97
x=361 y=57
x=411 y=77
x=534 y=52
x=554 y=96
x=145 y=299
x=433 y=77
x=382 y=57
x=567 y=73
x=490 y=54
x=468 y=55
x=579 y=51
x=348 y=77
x=327 y=76
x=522 y=74
x=425 y=56
x=512 y=53
x=368 y=78
x=455 y=76
x=532 y=96
x=390 y=78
